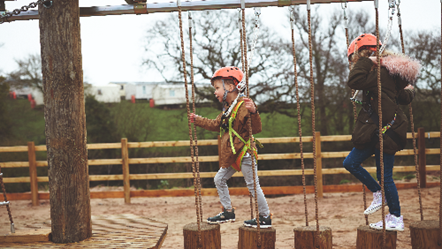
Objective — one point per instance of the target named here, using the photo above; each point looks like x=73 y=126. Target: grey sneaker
x=222 y=217
x=263 y=222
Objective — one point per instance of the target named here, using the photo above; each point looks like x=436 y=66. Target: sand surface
x=342 y=212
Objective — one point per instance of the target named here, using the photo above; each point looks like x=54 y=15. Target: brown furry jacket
x=227 y=158
x=397 y=71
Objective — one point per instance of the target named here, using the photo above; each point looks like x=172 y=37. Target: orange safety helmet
x=233 y=73
x=364 y=41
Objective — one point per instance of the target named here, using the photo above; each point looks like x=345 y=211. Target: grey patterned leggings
x=224 y=174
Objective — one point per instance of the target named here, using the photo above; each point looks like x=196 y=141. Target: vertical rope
x=298 y=108
x=249 y=124
x=312 y=92
x=410 y=109
x=5 y=197
x=183 y=58
x=355 y=117
x=381 y=142
x=440 y=169
x=242 y=67
x=197 y=164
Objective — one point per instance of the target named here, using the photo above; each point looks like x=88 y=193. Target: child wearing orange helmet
x=398 y=74
x=236 y=144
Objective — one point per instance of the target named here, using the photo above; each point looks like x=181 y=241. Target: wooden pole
x=305 y=237
x=65 y=121
x=319 y=164
x=368 y=238
x=422 y=157
x=248 y=238
x=210 y=236
x=126 y=174
x=33 y=173
x=425 y=234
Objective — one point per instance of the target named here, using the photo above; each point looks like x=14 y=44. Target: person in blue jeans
x=398 y=74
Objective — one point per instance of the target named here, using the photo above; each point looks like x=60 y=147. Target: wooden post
x=65 y=121
x=422 y=157
x=126 y=173
x=219 y=150
x=33 y=173
x=210 y=236
x=305 y=237
x=425 y=234
x=319 y=163
x=369 y=238
x=248 y=238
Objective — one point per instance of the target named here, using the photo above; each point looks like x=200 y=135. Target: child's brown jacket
x=227 y=158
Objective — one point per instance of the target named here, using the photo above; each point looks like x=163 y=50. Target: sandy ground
x=342 y=212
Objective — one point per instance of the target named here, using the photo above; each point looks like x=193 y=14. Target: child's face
x=219 y=89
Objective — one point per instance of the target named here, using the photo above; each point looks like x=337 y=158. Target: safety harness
x=247 y=145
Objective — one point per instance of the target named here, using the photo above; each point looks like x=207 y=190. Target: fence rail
x=126 y=177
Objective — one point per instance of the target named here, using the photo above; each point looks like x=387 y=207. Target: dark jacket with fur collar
x=397 y=71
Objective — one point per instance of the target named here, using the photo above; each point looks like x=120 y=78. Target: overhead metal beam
x=148 y=8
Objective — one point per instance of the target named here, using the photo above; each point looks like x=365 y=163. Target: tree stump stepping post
x=305 y=237
x=369 y=238
x=210 y=236
x=425 y=234
x=248 y=238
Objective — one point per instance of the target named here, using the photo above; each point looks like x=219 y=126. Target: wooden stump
x=425 y=234
x=210 y=236
x=248 y=238
x=305 y=237
x=369 y=238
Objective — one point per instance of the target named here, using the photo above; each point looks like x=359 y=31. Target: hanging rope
x=312 y=92
x=242 y=67
x=249 y=118
x=355 y=115
x=411 y=118
x=197 y=164
x=440 y=146
x=298 y=108
x=6 y=201
x=381 y=142
x=183 y=58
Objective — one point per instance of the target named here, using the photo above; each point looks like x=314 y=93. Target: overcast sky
x=113 y=46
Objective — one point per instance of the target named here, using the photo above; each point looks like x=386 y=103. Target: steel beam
x=148 y=8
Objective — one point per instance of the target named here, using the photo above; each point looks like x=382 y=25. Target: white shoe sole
x=367 y=212
x=256 y=226
x=221 y=221
x=373 y=226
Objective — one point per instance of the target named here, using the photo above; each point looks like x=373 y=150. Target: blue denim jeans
x=353 y=164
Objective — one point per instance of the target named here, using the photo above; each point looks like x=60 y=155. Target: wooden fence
x=125 y=161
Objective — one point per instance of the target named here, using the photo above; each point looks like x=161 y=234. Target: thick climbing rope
x=298 y=108
x=355 y=115
x=249 y=119
x=6 y=201
x=381 y=142
x=196 y=178
x=183 y=58
x=242 y=67
x=241 y=50
x=410 y=109
x=440 y=146
x=312 y=92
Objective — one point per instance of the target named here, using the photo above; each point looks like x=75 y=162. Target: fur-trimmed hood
x=403 y=66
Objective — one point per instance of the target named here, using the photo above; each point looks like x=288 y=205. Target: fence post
x=126 y=173
x=422 y=157
x=318 y=163
x=219 y=150
x=33 y=173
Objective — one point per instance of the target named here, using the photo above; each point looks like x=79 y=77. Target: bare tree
x=28 y=73
x=216 y=44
